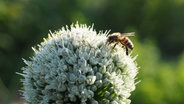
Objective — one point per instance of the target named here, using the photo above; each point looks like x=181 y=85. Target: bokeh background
x=159 y=40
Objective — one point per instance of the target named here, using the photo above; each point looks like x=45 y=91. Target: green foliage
x=162 y=81
x=159 y=34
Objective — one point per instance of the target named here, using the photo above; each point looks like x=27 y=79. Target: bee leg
x=126 y=50
x=114 y=45
x=107 y=43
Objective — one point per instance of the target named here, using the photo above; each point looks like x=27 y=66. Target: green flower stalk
x=75 y=66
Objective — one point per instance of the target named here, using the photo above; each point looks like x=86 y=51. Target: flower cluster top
x=75 y=66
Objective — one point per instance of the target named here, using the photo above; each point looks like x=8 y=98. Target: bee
x=116 y=38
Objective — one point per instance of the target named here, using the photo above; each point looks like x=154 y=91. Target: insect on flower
x=116 y=38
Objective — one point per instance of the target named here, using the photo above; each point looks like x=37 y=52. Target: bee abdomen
x=127 y=42
x=130 y=45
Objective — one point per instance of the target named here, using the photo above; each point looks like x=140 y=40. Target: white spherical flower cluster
x=75 y=66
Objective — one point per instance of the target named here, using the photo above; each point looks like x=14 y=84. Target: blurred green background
x=159 y=40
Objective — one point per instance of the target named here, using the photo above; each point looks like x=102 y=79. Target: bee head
x=112 y=38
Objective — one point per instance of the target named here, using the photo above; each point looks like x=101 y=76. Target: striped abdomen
x=127 y=42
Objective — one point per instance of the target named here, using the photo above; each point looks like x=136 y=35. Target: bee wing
x=129 y=34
